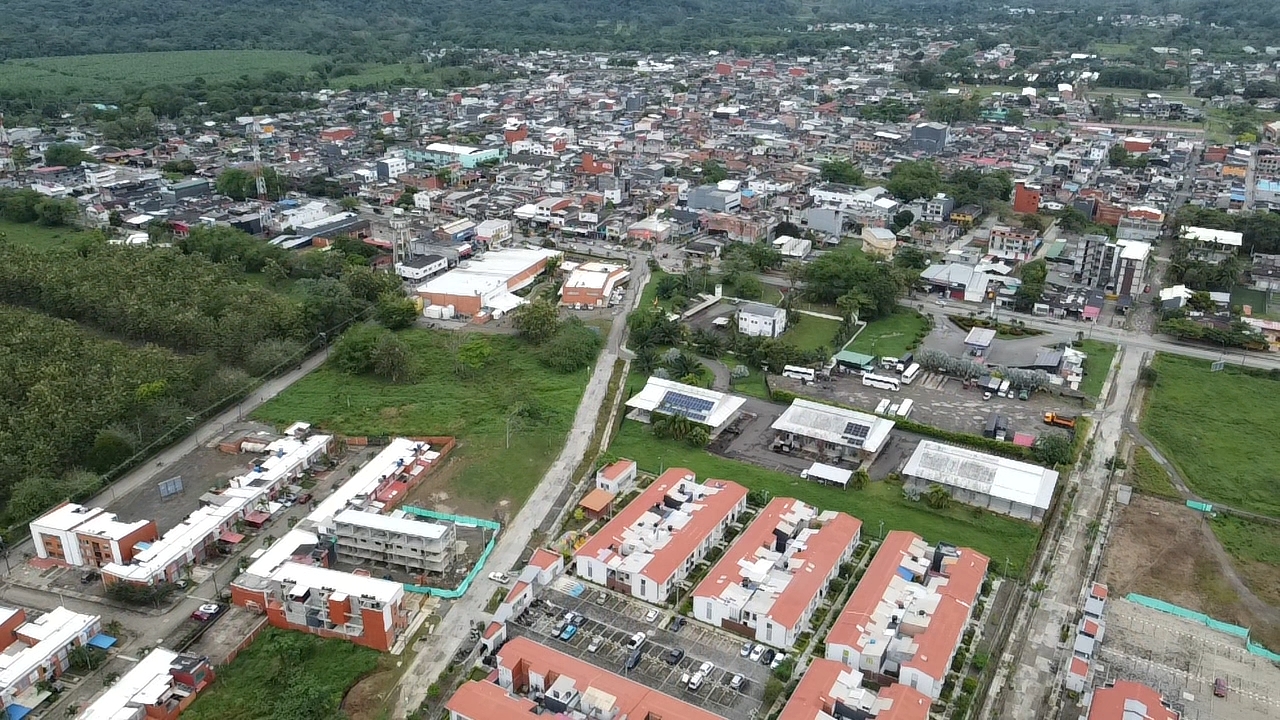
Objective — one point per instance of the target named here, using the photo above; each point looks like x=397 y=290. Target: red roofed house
x=543 y=568
x=769 y=582
x=478 y=700
x=570 y=686
x=828 y=682
x=651 y=545
x=909 y=611
x=618 y=478
x=337 y=134
x=1126 y=700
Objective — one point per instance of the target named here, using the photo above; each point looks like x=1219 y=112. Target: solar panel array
x=677 y=403
x=856 y=433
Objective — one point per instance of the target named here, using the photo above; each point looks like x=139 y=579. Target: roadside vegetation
x=1148 y=476
x=1218 y=428
x=285 y=675
x=1255 y=550
x=1096 y=365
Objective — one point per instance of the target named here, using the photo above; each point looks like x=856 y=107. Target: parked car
x=206 y=612
x=601 y=597
x=768 y=656
x=778 y=660
x=746 y=650
x=637 y=641
x=500 y=578
x=304 y=498
x=569 y=632
x=675 y=656
x=89 y=577
x=737 y=682
x=1220 y=687
x=596 y=642
x=677 y=623
x=756 y=653
x=651 y=616
x=695 y=682
x=706 y=668
x=578 y=620
x=634 y=659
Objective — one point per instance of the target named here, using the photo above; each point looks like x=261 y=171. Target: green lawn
x=994 y=535
x=92 y=75
x=473 y=410
x=284 y=674
x=1148 y=476
x=1096 y=366
x=1255 y=547
x=751 y=385
x=812 y=332
x=1112 y=50
x=36 y=235
x=892 y=336
x=1219 y=429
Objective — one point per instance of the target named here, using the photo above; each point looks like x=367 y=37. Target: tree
x=1072 y=220
x=574 y=347
x=749 y=288
x=55 y=212
x=713 y=172
x=65 y=154
x=235 y=183
x=395 y=311
x=902 y=219
x=349 y=203
x=389 y=359
x=1201 y=300
x=789 y=229
x=353 y=352
x=472 y=356
x=179 y=167
x=937 y=497
x=860 y=480
x=842 y=171
x=910 y=257
x=913 y=179
x=537 y=321
x=1052 y=449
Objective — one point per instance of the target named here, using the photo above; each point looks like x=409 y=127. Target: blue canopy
x=16 y=712
x=102 y=641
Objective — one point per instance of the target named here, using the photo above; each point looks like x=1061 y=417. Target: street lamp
x=881 y=531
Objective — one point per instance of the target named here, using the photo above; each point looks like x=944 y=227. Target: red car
x=206 y=612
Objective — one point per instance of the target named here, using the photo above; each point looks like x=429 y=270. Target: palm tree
x=937 y=497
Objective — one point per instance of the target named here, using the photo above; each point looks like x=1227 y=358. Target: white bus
x=882 y=382
x=799 y=373
x=904 y=410
x=911 y=373
x=883 y=407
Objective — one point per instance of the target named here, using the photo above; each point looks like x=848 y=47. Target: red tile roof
x=823 y=552
x=935 y=646
x=544 y=559
x=682 y=544
x=614 y=471
x=485 y=701
x=1079 y=666
x=867 y=595
x=1108 y=703
x=523 y=656
x=907 y=703
x=814 y=695
x=1099 y=591
x=597 y=501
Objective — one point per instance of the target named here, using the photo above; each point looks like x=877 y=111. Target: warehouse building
x=1001 y=485
x=666 y=397
x=831 y=433
x=486 y=286
x=651 y=545
x=769 y=582
x=907 y=616
x=592 y=284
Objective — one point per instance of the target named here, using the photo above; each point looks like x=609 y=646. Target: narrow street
x=1031 y=665
x=449 y=636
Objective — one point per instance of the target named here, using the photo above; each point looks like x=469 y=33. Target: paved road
x=449 y=635
x=1033 y=653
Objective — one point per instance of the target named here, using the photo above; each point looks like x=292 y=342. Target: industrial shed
x=831 y=432
x=1001 y=485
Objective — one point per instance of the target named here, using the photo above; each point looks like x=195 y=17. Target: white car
x=706 y=668
x=596 y=642
x=756 y=652
x=745 y=651
x=777 y=661
x=651 y=616
x=500 y=578
x=695 y=682
x=737 y=681
x=636 y=640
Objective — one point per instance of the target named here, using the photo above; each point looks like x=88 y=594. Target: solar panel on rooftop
x=678 y=403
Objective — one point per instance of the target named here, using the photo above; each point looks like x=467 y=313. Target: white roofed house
x=38 y=650
x=1210 y=245
x=831 y=432
x=1005 y=486
x=666 y=397
x=760 y=320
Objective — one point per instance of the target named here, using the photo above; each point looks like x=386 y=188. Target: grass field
x=996 y=536
x=1255 y=548
x=36 y=235
x=751 y=385
x=893 y=336
x=1219 y=429
x=812 y=332
x=92 y=75
x=1147 y=476
x=475 y=411
x=1096 y=366
x=279 y=672
x=1112 y=50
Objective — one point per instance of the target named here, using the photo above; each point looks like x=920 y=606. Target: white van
x=883 y=407
x=911 y=373
x=1004 y=389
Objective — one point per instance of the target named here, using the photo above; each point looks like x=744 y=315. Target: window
x=768 y=631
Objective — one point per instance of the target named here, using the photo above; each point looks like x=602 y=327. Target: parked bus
x=883 y=407
x=799 y=373
x=882 y=382
x=911 y=373
x=904 y=410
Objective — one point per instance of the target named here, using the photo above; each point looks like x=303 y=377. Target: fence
x=1184 y=613
x=475 y=569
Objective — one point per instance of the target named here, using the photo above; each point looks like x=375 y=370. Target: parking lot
x=615 y=618
x=1182 y=658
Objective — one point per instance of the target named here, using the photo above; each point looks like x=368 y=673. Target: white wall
x=70 y=544
x=911 y=677
x=591 y=570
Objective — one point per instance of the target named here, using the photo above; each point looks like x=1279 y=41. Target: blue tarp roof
x=16 y=712
x=102 y=641
x=906 y=573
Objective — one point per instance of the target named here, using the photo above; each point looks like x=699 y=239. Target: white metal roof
x=52 y=632
x=978 y=472
x=65 y=517
x=829 y=424
x=723 y=404
x=1217 y=237
x=404 y=526
x=144 y=684
x=314 y=576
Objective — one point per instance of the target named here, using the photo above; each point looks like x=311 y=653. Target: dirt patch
x=438 y=493
x=367 y=699
x=1164 y=550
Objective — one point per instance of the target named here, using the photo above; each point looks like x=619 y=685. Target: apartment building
x=768 y=584
x=761 y=320
x=158 y=687
x=907 y=616
x=568 y=686
x=37 y=650
x=1013 y=244
x=591 y=284
x=403 y=543
x=364 y=610
x=830 y=690
x=80 y=536
x=651 y=545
